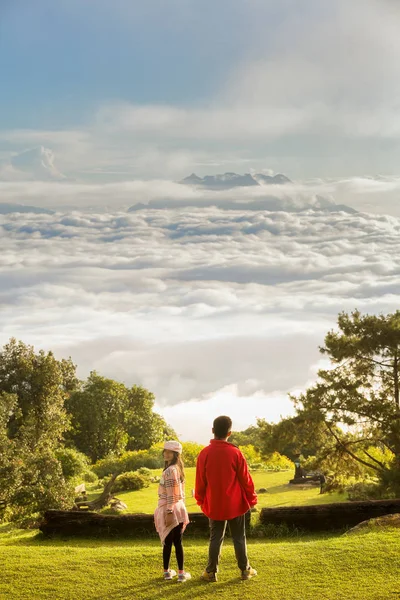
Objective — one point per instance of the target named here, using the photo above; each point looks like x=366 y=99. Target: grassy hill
x=279 y=493
x=361 y=567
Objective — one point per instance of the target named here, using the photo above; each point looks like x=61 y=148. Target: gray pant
x=237 y=528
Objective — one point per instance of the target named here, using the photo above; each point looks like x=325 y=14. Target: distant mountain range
x=227 y=181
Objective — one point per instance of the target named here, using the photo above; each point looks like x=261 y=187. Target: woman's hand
x=169 y=519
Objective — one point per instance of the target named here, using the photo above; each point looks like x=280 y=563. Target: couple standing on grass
x=224 y=491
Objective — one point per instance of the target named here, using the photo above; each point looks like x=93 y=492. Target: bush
x=278 y=462
x=250 y=453
x=145 y=473
x=42 y=486
x=90 y=476
x=130 y=481
x=190 y=452
x=367 y=490
x=272 y=531
x=130 y=461
x=73 y=462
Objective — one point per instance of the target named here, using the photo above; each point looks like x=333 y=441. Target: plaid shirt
x=170 y=489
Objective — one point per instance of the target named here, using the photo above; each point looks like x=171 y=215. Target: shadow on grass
x=195 y=588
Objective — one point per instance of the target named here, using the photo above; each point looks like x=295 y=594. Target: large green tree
x=303 y=434
x=97 y=412
x=33 y=421
x=107 y=418
x=40 y=384
x=361 y=390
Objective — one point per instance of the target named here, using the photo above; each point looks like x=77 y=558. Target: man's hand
x=169 y=519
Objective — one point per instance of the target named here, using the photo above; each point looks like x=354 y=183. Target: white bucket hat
x=173 y=445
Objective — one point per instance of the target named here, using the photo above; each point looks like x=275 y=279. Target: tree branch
x=378 y=462
x=357 y=458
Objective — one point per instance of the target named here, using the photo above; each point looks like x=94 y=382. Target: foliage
x=365 y=490
x=73 y=462
x=109 y=418
x=41 y=384
x=89 y=476
x=250 y=453
x=33 y=420
x=130 y=481
x=41 y=485
x=130 y=461
x=143 y=426
x=250 y=436
x=361 y=392
x=277 y=462
x=190 y=452
x=97 y=415
x=302 y=434
x=145 y=472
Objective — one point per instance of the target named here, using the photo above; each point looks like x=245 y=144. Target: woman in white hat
x=171 y=516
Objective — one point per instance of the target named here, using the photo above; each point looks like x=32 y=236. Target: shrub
x=42 y=486
x=250 y=453
x=73 y=462
x=190 y=452
x=130 y=461
x=146 y=474
x=367 y=490
x=130 y=481
x=90 y=476
x=278 y=462
x=272 y=531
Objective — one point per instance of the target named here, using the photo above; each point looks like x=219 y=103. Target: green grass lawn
x=279 y=493
x=363 y=566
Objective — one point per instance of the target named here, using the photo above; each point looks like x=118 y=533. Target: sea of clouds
x=213 y=309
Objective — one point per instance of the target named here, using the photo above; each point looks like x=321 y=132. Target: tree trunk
x=396 y=381
x=100 y=502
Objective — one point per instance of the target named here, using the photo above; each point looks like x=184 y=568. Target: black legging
x=174 y=537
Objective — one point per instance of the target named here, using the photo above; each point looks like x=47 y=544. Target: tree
x=33 y=421
x=361 y=390
x=302 y=434
x=190 y=452
x=98 y=413
x=144 y=427
x=250 y=436
x=108 y=418
x=40 y=384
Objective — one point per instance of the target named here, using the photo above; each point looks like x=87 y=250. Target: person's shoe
x=210 y=577
x=248 y=573
x=170 y=574
x=182 y=577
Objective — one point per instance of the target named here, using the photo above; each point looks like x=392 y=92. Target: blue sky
x=62 y=59
x=157 y=88
x=105 y=104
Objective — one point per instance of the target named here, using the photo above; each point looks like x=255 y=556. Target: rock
x=378 y=522
x=262 y=491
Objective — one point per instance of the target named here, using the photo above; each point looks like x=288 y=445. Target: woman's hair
x=177 y=460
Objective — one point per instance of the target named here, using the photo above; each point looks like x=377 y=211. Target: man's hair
x=222 y=426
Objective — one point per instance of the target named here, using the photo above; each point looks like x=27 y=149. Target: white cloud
x=193 y=302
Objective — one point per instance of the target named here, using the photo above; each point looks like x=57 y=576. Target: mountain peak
x=229 y=180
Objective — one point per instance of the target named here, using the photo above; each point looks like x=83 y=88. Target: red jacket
x=224 y=487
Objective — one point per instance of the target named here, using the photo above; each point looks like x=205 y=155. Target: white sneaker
x=182 y=577
x=170 y=574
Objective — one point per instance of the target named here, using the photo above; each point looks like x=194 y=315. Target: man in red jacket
x=225 y=492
